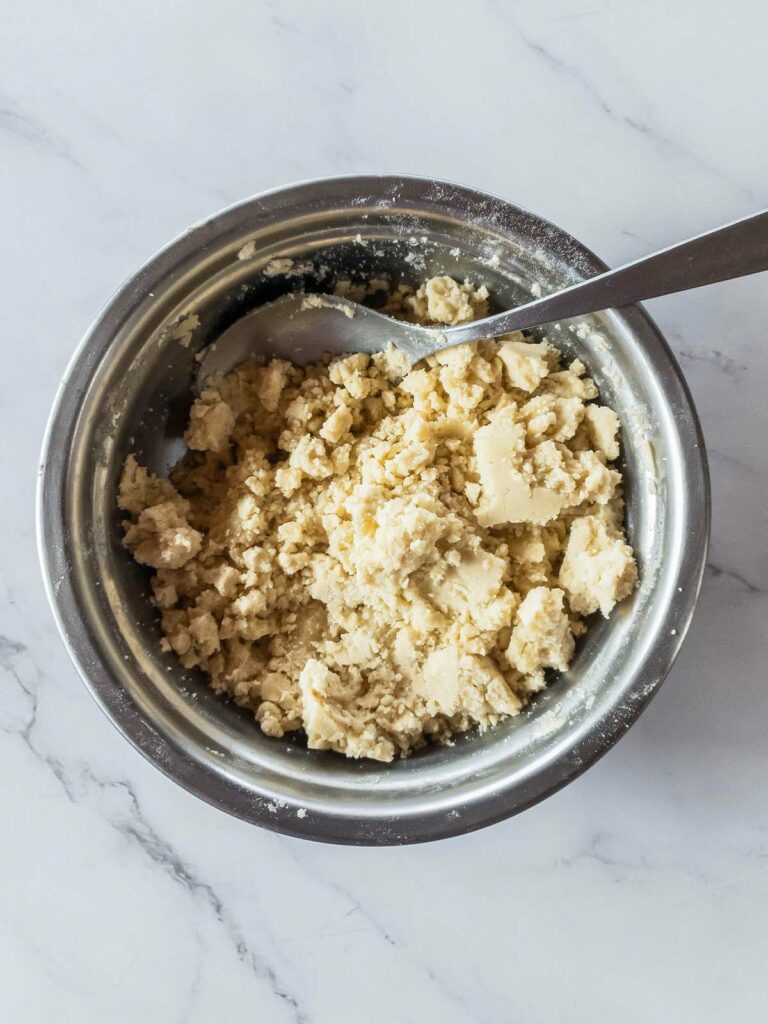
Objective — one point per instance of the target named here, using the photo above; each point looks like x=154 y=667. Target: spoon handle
x=734 y=250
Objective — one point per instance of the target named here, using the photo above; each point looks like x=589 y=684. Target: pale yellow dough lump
x=382 y=555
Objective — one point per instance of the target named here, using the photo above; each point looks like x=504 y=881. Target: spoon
x=302 y=328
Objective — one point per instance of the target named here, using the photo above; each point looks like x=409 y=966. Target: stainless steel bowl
x=128 y=389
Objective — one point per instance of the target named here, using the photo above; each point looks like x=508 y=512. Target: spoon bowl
x=299 y=327
x=303 y=328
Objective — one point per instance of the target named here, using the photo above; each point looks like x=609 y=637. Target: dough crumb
x=442 y=300
x=385 y=555
x=184 y=329
x=598 y=567
x=248 y=251
x=542 y=637
x=313 y=301
x=279 y=265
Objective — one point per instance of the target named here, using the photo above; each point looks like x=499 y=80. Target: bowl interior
x=130 y=389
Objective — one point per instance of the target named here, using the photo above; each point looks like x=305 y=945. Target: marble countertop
x=640 y=892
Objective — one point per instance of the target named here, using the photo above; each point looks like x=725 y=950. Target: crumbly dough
x=382 y=555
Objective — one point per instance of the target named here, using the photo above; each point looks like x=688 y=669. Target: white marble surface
x=639 y=893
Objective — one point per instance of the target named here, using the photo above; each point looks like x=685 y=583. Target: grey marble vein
x=641 y=127
x=637 y=238
x=578 y=15
x=722 y=362
x=716 y=455
x=133 y=825
x=293 y=851
x=442 y=985
x=718 y=571
x=604 y=849
x=17 y=124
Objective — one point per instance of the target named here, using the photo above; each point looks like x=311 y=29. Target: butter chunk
x=328 y=721
x=473 y=590
x=542 y=636
x=598 y=567
x=474 y=582
x=454 y=683
x=507 y=496
x=525 y=362
x=441 y=682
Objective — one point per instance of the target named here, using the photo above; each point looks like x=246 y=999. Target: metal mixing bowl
x=128 y=389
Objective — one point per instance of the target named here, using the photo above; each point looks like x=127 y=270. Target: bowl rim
x=220 y=790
